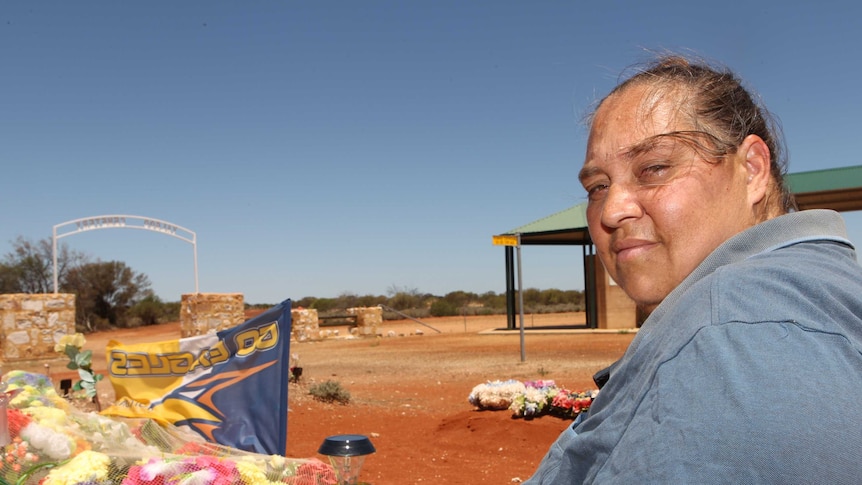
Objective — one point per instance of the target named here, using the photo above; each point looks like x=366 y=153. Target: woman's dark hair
x=718 y=106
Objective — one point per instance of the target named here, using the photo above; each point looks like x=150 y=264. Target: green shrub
x=330 y=391
x=443 y=308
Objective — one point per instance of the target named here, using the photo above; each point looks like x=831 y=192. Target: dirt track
x=409 y=394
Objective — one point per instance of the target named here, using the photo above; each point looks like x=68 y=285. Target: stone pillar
x=306 y=325
x=203 y=313
x=30 y=326
x=368 y=320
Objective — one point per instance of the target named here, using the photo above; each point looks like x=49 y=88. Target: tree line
x=108 y=294
x=416 y=304
x=112 y=295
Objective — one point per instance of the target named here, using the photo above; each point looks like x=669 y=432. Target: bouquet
x=51 y=443
x=535 y=400
x=496 y=395
x=531 y=399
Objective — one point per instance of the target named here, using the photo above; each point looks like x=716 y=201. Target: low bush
x=330 y=391
x=443 y=308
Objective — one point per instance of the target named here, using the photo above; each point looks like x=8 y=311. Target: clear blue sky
x=321 y=148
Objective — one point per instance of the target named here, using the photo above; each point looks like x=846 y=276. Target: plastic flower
x=77 y=340
x=495 y=394
x=200 y=477
x=225 y=470
x=313 y=472
x=540 y=384
x=49 y=417
x=17 y=458
x=532 y=402
x=16 y=420
x=253 y=474
x=569 y=404
x=86 y=467
x=531 y=398
x=31 y=390
x=80 y=360
x=199 y=470
x=156 y=468
x=53 y=445
x=102 y=433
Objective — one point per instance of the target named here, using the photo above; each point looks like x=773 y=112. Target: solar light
x=346 y=454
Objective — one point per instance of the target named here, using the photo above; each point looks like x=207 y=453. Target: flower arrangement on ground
x=534 y=401
x=496 y=395
x=531 y=399
x=569 y=404
x=60 y=445
x=28 y=390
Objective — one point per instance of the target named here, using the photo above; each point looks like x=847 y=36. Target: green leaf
x=71 y=351
x=83 y=359
x=90 y=387
x=86 y=376
x=44 y=466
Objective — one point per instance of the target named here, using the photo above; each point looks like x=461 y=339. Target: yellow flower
x=53 y=418
x=31 y=397
x=252 y=474
x=87 y=466
x=76 y=340
x=23 y=400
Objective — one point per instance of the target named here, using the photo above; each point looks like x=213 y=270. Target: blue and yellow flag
x=230 y=387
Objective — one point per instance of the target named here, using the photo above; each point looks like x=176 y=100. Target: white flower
x=496 y=394
x=200 y=477
x=55 y=446
x=159 y=467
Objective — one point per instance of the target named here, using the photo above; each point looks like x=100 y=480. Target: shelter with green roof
x=838 y=189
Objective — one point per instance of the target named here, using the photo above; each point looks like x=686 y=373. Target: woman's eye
x=653 y=173
x=596 y=190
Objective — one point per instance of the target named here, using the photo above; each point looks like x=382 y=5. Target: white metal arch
x=77 y=226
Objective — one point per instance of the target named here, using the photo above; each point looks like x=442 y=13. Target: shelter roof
x=839 y=189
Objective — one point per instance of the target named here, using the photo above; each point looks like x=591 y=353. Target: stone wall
x=30 y=326
x=203 y=313
x=305 y=323
x=368 y=320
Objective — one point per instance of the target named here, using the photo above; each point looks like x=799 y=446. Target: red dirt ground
x=409 y=393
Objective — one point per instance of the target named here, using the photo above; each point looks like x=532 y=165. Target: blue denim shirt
x=750 y=371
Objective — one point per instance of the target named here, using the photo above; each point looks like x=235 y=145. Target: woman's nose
x=621 y=203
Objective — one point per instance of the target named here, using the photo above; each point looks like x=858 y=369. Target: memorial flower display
x=86 y=467
x=28 y=390
x=52 y=443
x=569 y=404
x=535 y=399
x=531 y=399
x=496 y=395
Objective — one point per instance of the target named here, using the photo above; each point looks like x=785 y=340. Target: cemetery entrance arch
x=85 y=224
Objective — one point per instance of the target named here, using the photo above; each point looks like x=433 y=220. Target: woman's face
x=656 y=207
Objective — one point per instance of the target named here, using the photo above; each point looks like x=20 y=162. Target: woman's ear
x=758 y=165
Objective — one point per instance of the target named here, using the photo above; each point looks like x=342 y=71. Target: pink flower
x=313 y=472
x=198 y=470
